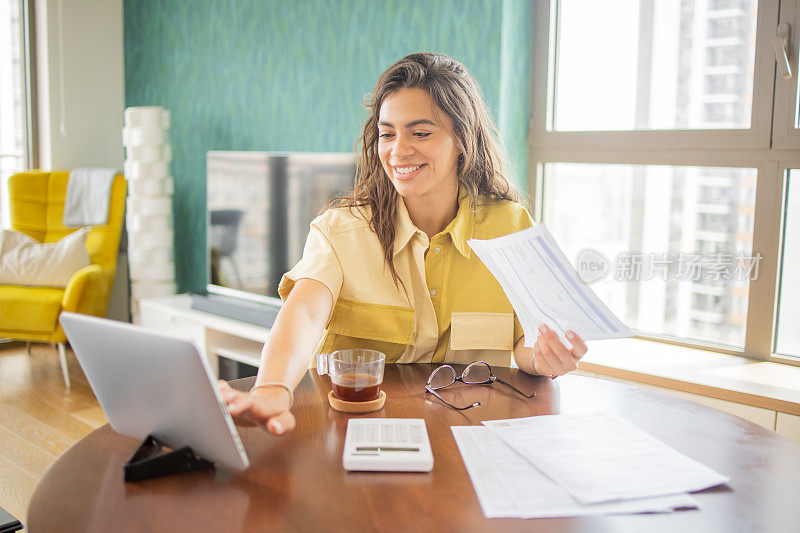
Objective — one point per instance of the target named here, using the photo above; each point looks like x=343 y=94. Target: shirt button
x=433 y=292
x=437 y=250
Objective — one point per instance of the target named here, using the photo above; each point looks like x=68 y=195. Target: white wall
x=81 y=94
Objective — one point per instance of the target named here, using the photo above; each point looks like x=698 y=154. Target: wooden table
x=296 y=482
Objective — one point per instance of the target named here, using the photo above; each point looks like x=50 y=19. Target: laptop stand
x=150 y=460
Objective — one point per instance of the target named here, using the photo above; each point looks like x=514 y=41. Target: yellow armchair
x=37 y=209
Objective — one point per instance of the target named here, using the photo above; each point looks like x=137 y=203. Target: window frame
x=790 y=163
x=749 y=148
x=29 y=61
x=785 y=134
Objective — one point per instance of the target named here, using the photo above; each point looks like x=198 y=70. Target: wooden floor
x=39 y=418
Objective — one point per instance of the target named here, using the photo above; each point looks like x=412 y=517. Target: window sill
x=726 y=377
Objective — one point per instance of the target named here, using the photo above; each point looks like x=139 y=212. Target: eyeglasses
x=476 y=373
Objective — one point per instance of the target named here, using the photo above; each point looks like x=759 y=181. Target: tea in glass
x=356 y=374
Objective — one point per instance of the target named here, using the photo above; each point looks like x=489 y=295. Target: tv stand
x=216 y=336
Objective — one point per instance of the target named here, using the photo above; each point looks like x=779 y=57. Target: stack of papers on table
x=576 y=465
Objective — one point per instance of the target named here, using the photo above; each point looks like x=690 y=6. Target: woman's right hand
x=267 y=408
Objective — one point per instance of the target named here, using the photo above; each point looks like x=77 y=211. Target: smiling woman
x=426 y=96
x=389 y=268
x=420 y=154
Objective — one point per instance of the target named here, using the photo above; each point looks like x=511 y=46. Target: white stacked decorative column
x=149 y=215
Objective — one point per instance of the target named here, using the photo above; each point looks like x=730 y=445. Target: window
x=723 y=84
x=14 y=149
x=663 y=140
x=639 y=75
x=788 y=341
x=678 y=262
x=722 y=5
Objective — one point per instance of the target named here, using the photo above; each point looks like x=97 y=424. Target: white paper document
x=544 y=288
x=508 y=486
x=599 y=457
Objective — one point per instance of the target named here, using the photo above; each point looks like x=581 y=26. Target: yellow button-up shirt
x=453 y=309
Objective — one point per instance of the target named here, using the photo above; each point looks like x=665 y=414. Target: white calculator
x=387 y=445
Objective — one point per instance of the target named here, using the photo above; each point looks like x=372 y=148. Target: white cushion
x=25 y=261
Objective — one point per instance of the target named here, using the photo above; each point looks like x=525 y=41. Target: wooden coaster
x=357 y=407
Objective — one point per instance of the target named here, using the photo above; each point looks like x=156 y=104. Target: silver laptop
x=152 y=384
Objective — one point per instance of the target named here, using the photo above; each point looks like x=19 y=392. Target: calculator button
x=372 y=435
x=402 y=433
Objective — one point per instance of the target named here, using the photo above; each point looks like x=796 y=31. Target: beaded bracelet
x=277 y=384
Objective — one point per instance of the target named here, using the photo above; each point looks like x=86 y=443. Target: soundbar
x=260 y=314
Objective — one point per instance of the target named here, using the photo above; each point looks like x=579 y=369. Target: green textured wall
x=291 y=75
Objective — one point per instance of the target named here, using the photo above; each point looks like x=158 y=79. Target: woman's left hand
x=551 y=357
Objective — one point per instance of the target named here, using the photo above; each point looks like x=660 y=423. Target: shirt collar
x=460 y=228
x=404 y=228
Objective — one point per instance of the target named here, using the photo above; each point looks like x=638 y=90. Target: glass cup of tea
x=356 y=374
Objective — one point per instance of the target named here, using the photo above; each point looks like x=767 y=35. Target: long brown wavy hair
x=480 y=166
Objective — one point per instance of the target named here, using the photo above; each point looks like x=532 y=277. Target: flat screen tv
x=259 y=206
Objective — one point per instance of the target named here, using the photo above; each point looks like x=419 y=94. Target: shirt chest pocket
x=481 y=331
x=386 y=328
